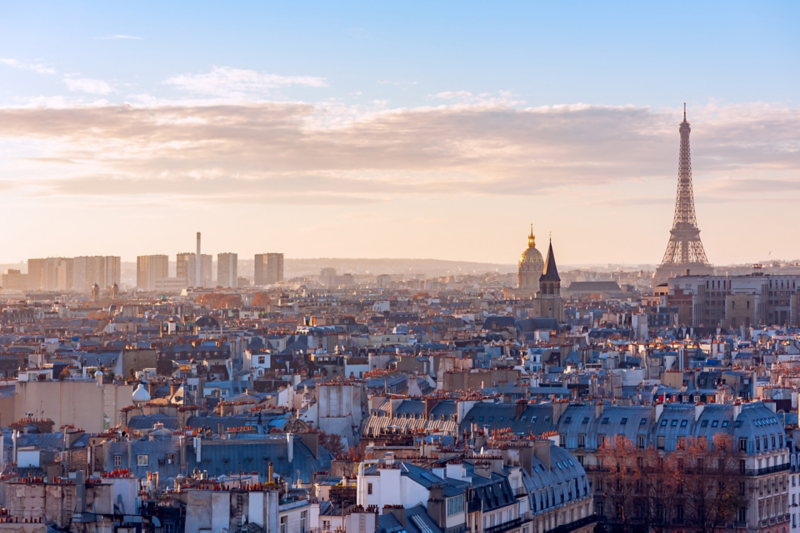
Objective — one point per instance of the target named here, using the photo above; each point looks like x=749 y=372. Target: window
x=303 y=521
x=284 y=525
x=601 y=439
x=586 y=420
x=640 y=442
x=369 y=488
x=743 y=445
x=169 y=528
x=663 y=423
x=674 y=423
x=582 y=440
x=567 y=420
x=643 y=422
x=623 y=421
x=660 y=443
x=326 y=525
x=117 y=460
x=562 y=440
x=773 y=441
x=681 y=443
x=715 y=423
x=704 y=424
x=742 y=515
x=142 y=460
x=455 y=505
x=605 y=420
x=683 y=423
x=725 y=424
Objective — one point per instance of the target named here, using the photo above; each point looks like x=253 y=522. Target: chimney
x=698 y=410
x=558 y=410
x=398 y=511
x=436 y=508
x=598 y=409
x=541 y=449
x=198 y=276
x=737 y=409
x=659 y=410
x=521 y=406
x=270 y=473
x=290 y=447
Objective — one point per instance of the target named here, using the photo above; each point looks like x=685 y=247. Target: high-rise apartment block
x=150 y=268
x=268 y=268
x=104 y=271
x=186 y=268
x=227 y=270
x=57 y=274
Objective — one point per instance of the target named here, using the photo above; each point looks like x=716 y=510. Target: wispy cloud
x=88 y=85
x=36 y=67
x=245 y=152
x=232 y=82
x=131 y=37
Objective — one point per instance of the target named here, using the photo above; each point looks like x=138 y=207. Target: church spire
x=531 y=239
x=550 y=271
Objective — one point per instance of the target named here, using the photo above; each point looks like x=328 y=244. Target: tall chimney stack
x=198 y=270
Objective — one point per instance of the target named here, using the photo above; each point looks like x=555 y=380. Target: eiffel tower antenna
x=684 y=250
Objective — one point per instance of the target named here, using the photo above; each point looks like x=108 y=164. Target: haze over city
x=407 y=130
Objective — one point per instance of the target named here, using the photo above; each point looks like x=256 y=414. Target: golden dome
x=531 y=255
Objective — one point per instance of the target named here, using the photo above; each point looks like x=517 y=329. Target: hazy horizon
x=405 y=130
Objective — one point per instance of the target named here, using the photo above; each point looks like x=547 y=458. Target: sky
x=397 y=129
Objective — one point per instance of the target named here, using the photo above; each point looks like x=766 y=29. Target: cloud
x=87 y=85
x=279 y=152
x=231 y=82
x=41 y=69
x=131 y=37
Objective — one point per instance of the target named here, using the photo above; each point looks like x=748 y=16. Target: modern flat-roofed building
x=149 y=268
x=227 y=270
x=268 y=268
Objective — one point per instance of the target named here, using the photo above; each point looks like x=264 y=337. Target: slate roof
x=536 y=419
x=220 y=457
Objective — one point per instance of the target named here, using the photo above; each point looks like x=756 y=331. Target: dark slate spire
x=550 y=272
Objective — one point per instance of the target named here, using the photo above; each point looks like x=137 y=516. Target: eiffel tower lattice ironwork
x=684 y=250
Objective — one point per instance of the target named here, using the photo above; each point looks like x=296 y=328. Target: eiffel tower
x=685 y=250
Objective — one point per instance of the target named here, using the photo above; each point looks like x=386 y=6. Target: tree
x=697 y=486
x=618 y=458
x=261 y=299
x=332 y=442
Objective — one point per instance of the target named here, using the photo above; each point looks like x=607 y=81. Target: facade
x=268 y=268
x=14 y=279
x=150 y=268
x=186 y=268
x=35 y=274
x=227 y=270
x=57 y=274
x=737 y=301
x=103 y=271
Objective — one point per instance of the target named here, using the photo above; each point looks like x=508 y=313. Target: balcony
x=577 y=524
x=520 y=491
x=767 y=470
x=505 y=526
